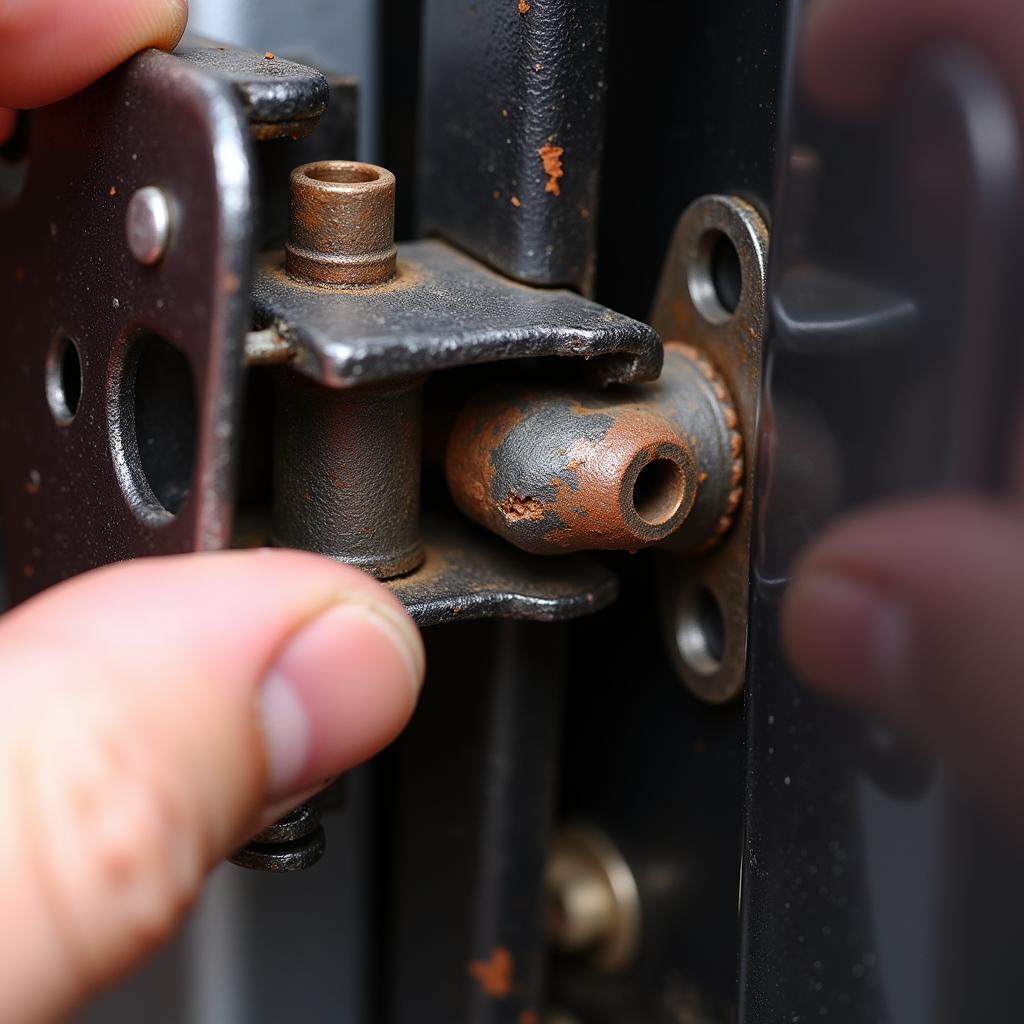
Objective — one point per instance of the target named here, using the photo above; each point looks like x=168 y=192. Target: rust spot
x=529 y=1017
x=494 y=975
x=113 y=191
x=338 y=484
x=537 y=67
x=268 y=55
x=524 y=7
x=551 y=158
x=231 y=283
x=584 y=213
x=514 y=200
x=515 y=508
x=29 y=570
x=495 y=194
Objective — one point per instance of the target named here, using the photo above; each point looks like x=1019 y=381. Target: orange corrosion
x=494 y=975
x=551 y=158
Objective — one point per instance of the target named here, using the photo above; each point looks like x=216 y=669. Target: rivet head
x=148 y=225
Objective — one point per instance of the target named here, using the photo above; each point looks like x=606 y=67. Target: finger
x=913 y=613
x=854 y=53
x=150 y=712
x=50 y=49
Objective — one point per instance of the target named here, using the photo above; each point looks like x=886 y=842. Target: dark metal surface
x=620 y=468
x=467 y=574
x=870 y=894
x=96 y=489
x=294 y=843
x=444 y=310
x=347 y=473
x=471 y=819
x=511 y=133
x=279 y=97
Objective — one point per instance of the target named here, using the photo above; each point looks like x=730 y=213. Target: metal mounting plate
x=688 y=307
x=443 y=309
x=468 y=574
x=68 y=502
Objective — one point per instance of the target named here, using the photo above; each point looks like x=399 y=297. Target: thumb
x=913 y=613
x=52 y=48
x=150 y=711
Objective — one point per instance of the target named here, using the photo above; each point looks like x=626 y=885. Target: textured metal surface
x=511 y=133
x=347 y=473
x=619 y=468
x=77 y=495
x=279 y=97
x=342 y=224
x=870 y=894
x=712 y=296
x=443 y=310
x=472 y=817
x=467 y=574
x=294 y=843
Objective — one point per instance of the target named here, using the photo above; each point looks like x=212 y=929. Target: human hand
x=156 y=714
x=50 y=49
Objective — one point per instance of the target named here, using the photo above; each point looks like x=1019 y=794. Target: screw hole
x=700 y=631
x=64 y=379
x=658 y=491
x=157 y=424
x=342 y=173
x=716 y=277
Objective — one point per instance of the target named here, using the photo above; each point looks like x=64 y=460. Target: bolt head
x=148 y=225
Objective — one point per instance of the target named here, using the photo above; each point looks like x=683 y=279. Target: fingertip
x=344 y=686
x=53 y=48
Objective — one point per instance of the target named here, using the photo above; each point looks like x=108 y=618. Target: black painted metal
x=468 y=574
x=473 y=805
x=871 y=893
x=76 y=496
x=271 y=90
x=443 y=310
x=501 y=81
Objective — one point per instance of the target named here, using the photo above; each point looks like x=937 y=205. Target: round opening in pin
x=342 y=172
x=658 y=491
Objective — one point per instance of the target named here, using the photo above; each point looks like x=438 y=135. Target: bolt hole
x=342 y=173
x=700 y=631
x=658 y=491
x=64 y=379
x=158 y=423
x=716 y=277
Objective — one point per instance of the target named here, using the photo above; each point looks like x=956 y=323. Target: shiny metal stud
x=148 y=225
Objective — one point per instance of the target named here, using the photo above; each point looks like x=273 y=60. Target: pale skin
x=154 y=714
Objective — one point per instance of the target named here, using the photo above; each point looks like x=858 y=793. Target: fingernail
x=846 y=635
x=341 y=689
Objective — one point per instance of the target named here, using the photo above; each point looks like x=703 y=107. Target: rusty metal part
x=443 y=309
x=712 y=296
x=615 y=469
x=267 y=348
x=468 y=574
x=347 y=473
x=294 y=843
x=591 y=897
x=342 y=227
